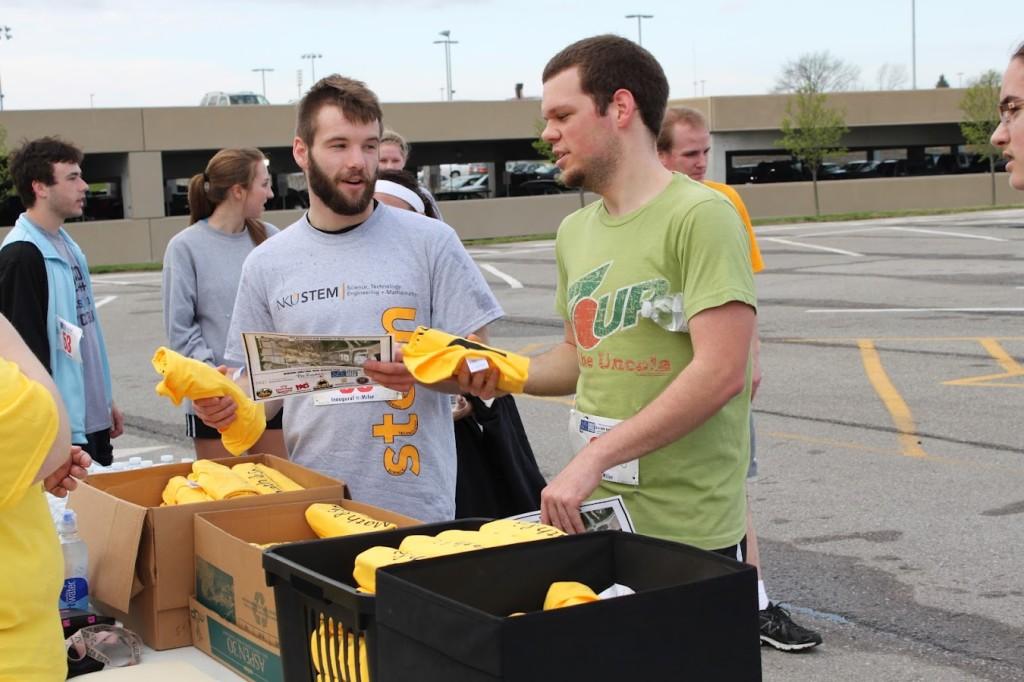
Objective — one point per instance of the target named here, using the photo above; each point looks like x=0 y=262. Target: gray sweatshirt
x=394 y=272
x=202 y=267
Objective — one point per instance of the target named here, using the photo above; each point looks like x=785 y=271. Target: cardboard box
x=229 y=569
x=141 y=560
x=246 y=655
x=693 y=617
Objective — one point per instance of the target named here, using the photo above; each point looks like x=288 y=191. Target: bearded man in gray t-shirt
x=352 y=266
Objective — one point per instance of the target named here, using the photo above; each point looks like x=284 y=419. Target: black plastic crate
x=313 y=583
x=693 y=617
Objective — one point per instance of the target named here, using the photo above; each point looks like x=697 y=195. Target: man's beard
x=598 y=172
x=326 y=189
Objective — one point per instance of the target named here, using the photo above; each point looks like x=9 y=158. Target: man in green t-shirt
x=670 y=408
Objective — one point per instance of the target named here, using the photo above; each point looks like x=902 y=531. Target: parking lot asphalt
x=889 y=502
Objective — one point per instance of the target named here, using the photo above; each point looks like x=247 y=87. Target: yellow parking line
x=530 y=347
x=561 y=400
x=891 y=398
x=1002 y=357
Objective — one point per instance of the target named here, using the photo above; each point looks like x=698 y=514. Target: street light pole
x=263 y=73
x=5 y=34
x=913 y=41
x=639 y=26
x=312 y=57
x=447 y=42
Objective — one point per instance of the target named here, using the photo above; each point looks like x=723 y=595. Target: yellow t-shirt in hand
x=432 y=356
x=187 y=378
x=31 y=640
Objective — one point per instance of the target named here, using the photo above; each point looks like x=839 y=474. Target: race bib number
x=584 y=428
x=70 y=339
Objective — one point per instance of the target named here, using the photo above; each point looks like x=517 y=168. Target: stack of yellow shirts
x=187 y=378
x=432 y=356
x=212 y=481
x=333 y=665
x=493 y=534
x=180 y=490
x=220 y=482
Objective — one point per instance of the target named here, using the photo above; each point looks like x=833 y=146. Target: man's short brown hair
x=609 y=63
x=356 y=101
x=678 y=115
x=33 y=162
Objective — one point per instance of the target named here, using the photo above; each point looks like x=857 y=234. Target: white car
x=226 y=99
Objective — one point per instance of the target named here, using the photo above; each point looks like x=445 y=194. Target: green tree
x=942 y=82
x=980 y=108
x=811 y=132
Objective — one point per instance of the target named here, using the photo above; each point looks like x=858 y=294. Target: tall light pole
x=913 y=42
x=5 y=34
x=312 y=57
x=263 y=73
x=639 y=26
x=447 y=42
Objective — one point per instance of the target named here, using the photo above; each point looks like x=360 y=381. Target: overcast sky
x=170 y=53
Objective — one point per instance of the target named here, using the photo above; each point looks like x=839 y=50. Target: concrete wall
x=144 y=240
x=877 y=194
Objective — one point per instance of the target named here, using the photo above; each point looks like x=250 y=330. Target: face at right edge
x=1009 y=135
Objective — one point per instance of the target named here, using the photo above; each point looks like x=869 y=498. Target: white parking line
x=105 y=300
x=915 y=310
x=510 y=280
x=949 y=234
x=812 y=246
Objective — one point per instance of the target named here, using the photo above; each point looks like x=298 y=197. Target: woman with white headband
x=399 y=189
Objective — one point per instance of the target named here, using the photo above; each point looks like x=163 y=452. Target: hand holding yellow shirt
x=432 y=356
x=187 y=378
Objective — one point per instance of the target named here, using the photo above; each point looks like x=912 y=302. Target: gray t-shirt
x=394 y=272
x=202 y=266
x=97 y=411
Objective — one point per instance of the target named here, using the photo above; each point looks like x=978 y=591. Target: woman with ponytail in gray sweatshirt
x=202 y=266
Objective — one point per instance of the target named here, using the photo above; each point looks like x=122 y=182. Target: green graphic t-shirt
x=688 y=240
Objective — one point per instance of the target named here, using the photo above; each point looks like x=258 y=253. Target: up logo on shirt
x=594 y=319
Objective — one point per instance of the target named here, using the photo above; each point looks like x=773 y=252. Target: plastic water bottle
x=75 y=592
x=666 y=312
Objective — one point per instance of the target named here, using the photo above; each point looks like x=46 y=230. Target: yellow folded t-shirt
x=432 y=356
x=368 y=561
x=220 y=482
x=333 y=520
x=187 y=378
x=179 y=490
x=523 y=530
x=263 y=478
x=564 y=594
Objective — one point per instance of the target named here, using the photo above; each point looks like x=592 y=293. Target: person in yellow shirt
x=683 y=146
x=35 y=442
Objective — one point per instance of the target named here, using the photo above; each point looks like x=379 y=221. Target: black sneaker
x=779 y=630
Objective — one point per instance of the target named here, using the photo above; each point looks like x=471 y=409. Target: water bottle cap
x=68 y=521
